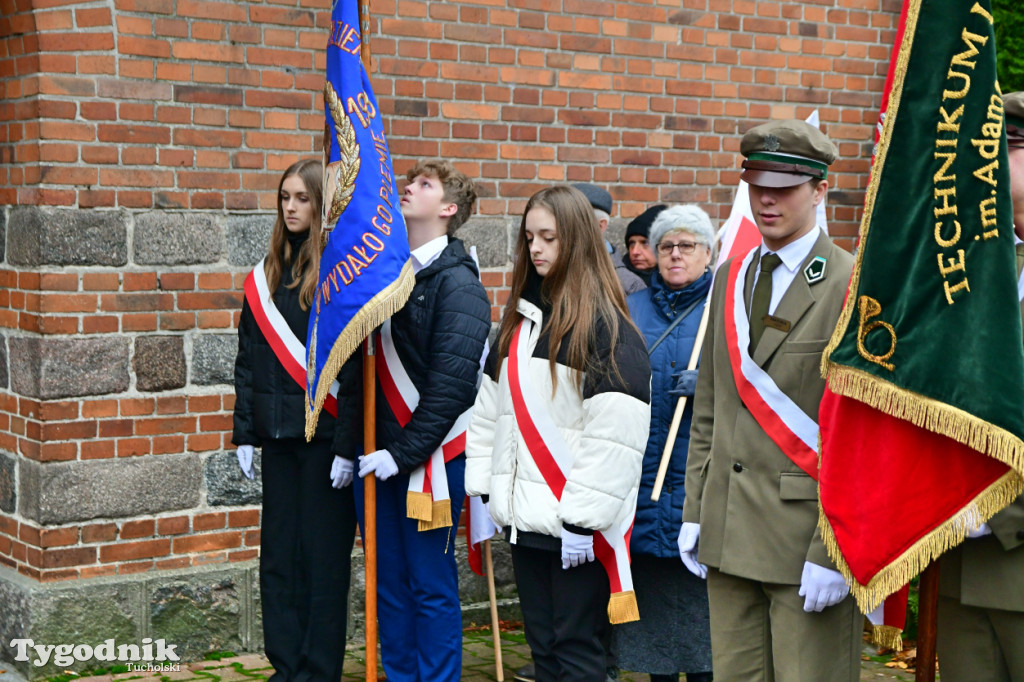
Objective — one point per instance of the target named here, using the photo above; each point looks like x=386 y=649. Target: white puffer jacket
x=605 y=431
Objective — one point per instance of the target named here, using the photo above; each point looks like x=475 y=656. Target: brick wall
x=140 y=144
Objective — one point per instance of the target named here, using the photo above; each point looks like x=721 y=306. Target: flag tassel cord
x=930 y=414
x=926 y=550
x=383 y=305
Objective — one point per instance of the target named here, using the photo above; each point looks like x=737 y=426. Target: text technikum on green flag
x=923 y=417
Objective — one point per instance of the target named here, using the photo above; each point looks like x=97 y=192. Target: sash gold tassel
x=926 y=550
x=622 y=608
x=418 y=505
x=887 y=636
x=440 y=518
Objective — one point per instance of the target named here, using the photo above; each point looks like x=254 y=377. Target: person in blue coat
x=673 y=633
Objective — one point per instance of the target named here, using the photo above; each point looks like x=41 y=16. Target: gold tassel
x=926 y=550
x=383 y=305
x=887 y=636
x=418 y=505
x=441 y=517
x=928 y=413
x=622 y=608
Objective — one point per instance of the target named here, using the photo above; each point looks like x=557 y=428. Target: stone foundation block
x=213 y=359
x=39 y=236
x=66 y=492
x=49 y=368
x=165 y=238
x=159 y=363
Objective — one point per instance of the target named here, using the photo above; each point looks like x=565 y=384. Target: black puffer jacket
x=269 y=403
x=439 y=336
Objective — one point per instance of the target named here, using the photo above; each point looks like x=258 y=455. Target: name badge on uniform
x=815 y=270
x=777 y=323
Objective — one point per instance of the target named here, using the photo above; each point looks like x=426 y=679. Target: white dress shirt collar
x=792 y=256
x=795 y=252
x=427 y=253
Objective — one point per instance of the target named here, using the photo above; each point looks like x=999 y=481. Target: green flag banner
x=931 y=329
x=923 y=416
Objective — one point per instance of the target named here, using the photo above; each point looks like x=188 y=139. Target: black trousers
x=308 y=529
x=565 y=614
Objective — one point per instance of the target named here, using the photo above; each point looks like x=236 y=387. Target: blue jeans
x=418 y=611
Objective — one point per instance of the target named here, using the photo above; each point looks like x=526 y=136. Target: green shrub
x=1009 y=26
x=910 y=630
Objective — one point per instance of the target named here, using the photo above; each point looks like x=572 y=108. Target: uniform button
x=668 y=489
x=1020 y=534
x=737 y=467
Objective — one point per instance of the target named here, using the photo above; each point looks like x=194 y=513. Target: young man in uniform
x=779 y=609
x=981 y=581
x=430 y=352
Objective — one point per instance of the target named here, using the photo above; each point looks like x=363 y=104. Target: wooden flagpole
x=927 y=622
x=369 y=434
x=677 y=418
x=499 y=668
x=370 y=507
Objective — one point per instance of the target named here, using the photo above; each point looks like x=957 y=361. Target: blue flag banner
x=365 y=274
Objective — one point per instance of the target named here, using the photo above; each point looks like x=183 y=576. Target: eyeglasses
x=685 y=248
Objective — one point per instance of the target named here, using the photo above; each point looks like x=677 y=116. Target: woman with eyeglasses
x=673 y=634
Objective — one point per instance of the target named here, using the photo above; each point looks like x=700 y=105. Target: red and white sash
x=428 y=499
x=289 y=350
x=786 y=424
x=552 y=456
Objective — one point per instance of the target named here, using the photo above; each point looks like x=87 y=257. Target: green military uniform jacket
x=988 y=572
x=758 y=511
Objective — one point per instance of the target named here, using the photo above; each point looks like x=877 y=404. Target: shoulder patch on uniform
x=815 y=270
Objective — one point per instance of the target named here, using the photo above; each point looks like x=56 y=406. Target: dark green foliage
x=910 y=631
x=1009 y=24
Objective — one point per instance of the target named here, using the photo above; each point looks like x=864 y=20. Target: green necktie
x=762 y=298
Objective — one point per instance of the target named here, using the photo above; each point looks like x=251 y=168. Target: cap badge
x=771 y=143
x=815 y=270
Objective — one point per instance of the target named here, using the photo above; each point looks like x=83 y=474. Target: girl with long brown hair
x=308 y=520
x=558 y=433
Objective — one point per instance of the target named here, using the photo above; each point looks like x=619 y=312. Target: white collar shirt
x=425 y=254
x=792 y=255
x=1020 y=275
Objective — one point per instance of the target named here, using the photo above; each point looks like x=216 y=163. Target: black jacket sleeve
x=244 y=432
x=348 y=427
x=461 y=322
x=632 y=368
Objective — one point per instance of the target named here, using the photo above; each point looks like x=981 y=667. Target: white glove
x=341 y=472
x=979 y=532
x=689 y=534
x=380 y=463
x=244 y=454
x=576 y=549
x=821 y=587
